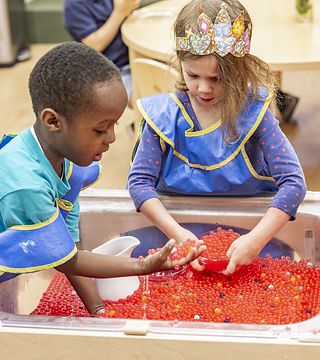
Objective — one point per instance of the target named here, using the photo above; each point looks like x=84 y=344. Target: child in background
x=97 y=24
x=44 y=168
x=217 y=134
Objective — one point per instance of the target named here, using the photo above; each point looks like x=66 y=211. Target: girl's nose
x=204 y=87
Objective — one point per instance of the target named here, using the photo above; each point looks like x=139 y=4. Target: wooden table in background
x=277 y=38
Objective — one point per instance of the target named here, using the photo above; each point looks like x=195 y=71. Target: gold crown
x=220 y=37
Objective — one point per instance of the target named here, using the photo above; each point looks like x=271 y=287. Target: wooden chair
x=152 y=77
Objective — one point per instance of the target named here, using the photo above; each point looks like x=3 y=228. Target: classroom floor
x=303 y=132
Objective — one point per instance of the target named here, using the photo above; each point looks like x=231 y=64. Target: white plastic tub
x=107 y=214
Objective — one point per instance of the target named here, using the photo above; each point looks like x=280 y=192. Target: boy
x=78 y=97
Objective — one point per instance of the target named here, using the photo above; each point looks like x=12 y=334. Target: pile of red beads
x=218 y=243
x=269 y=291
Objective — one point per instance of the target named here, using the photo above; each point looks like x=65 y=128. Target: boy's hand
x=159 y=261
x=125 y=7
x=241 y=252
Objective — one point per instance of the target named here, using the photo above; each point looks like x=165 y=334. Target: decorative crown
x=220 y=37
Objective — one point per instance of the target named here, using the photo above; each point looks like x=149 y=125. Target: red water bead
x=218 y=243
x=268 y=291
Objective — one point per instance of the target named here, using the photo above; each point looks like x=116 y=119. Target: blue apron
x=30 y=248
x=201 y=162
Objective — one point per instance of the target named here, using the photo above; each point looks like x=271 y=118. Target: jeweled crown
x=220 y=37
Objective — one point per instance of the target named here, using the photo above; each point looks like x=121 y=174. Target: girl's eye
x=192 y=75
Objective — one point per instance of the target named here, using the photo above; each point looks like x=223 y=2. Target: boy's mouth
x=98 y=157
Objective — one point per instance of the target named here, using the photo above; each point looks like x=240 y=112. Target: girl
x=217 y=134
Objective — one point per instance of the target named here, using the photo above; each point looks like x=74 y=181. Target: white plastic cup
x=119 y=287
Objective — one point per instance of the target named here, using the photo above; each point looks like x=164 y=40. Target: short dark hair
x=64 y=78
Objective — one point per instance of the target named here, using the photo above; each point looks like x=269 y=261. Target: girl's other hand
x=160 y=262
x=241 y=252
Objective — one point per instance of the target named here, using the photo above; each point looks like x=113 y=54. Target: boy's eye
x=105 y=131
x=100 y=132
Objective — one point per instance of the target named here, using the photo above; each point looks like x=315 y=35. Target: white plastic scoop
x=120 y=287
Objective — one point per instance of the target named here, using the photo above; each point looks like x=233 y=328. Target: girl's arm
x=160 y=217
x=283 y=165
x=142 y=181
x=247 y=247
x=145 y=169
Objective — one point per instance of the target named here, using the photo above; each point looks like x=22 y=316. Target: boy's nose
x=110 y=138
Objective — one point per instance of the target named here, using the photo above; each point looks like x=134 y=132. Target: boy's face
x=88 y=134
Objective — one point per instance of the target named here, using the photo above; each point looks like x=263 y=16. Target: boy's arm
x=85 y=263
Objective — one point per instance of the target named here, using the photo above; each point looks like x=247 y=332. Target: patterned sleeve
x=144 y=173
x=283 y=165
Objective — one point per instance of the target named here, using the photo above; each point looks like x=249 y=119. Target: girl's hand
x=241 y=252
x=160 y=262
x=181 y=235
x=125 y=7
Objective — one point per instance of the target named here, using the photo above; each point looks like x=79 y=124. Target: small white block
x=136 y=327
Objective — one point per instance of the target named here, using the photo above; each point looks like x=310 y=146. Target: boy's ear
x=51 y=119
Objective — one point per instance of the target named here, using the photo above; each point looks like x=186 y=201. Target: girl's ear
x=51 y=119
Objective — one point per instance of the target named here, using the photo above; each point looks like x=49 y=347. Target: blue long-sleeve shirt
x=283 y=164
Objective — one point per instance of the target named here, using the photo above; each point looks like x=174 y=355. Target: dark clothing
x=84 y=17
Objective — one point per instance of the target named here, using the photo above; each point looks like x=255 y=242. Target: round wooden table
x=278 y=38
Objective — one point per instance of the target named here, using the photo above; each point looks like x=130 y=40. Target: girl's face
x=202 y=79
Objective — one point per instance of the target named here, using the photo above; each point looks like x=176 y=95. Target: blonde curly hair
x=236 y=73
